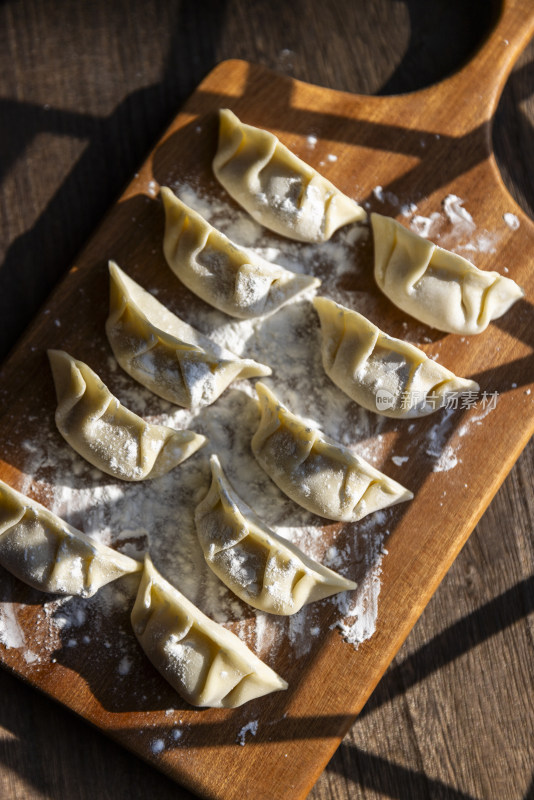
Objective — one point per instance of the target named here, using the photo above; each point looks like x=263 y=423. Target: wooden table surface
x=86 y=89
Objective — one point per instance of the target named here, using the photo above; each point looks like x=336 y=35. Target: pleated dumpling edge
x=166 y=354
x=381 y=373
x=107 y=434
x=316 y=472
x=259 y=566
x=276 y=187
x=50 y=555
x=437 y=287
x=234 y=279
x=208 y=665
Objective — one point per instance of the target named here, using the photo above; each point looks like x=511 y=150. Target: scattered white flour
x=125 y=666
x=11 y=634
x=385 y=197
x=157 y=746
x=31 y=657
x=299 y=625
x=475 y=420
x=483 y=242
x=250 y=727
x=439 y=433
x=446 y=461
x=457 y=214
x=423 y=226
x=400 y=460
x=511 y=220
x=408 y=209
x=453 y=225
x=312 y=140
x=359 y=616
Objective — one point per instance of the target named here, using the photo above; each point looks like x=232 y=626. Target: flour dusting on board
x=159 y=514
x=11 y=634
x=250 y=728
x=453 y=226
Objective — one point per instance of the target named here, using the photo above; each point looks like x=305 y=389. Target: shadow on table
x=379 y=775
x=60 y=755
x=456 y=640
x=106 y=164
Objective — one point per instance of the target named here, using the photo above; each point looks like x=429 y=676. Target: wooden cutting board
x=420 y=148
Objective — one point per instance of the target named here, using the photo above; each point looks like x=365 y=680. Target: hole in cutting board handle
x=464 y=28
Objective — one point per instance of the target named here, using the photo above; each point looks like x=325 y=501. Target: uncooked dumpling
x=106 y=433
x=316 y=472
x=228 y=277
x=164 y=353
x=206 y=663
x=47 y=553
x=434 y=285
x=276 y=187
x=260 y=567
x=383 y=374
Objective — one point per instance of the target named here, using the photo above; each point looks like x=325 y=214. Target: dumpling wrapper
x=107 y=434
x=47 y=553
x=316 y=472
x=231 y=278
x=435 y=286
x=164 y=353
x=205 y=663
x=278 y=189
x=379 y=372
x=258 y=565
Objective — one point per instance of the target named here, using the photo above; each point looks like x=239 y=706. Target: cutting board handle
x=474 y=91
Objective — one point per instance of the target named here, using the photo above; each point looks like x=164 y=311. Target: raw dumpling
x=231 y=278
x=164 y=353
x=316 y=472
x=379 y=372
x=260 y=567
x=434 y=285
x=50 y=555
x=106 y=433
x=276 y=187
x=206 y=663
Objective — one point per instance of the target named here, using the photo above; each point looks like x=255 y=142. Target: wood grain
x=371 y=768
